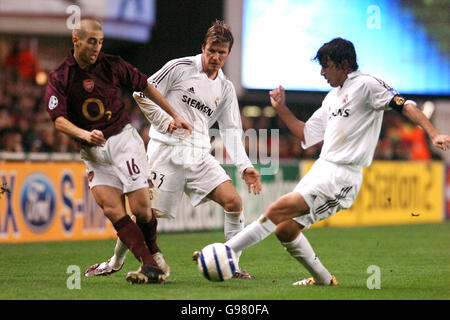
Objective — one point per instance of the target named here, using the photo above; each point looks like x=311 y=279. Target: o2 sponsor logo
x=38 y=202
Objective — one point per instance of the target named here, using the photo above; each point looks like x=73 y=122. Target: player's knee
x=274 y=213
x=108 y=211
x=142 y=212
x=112 y=213
x=287 y=231
x=233 y=204
x=140 y=207
x=284 y=235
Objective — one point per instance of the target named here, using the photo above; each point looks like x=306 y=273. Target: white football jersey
x=349 y=120
x=201 y=101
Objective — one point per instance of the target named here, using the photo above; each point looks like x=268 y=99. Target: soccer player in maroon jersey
x=84 y=99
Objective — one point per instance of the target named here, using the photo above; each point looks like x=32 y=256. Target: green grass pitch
x=414 y=261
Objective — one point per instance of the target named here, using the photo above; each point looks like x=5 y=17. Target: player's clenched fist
x=442 y=142
x=278 y=98
x=95 y=137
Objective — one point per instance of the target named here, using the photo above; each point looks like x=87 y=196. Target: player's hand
x=441 y=141
x=278 y=98
x=251 y=177
x=150 y=190
x=180 y=123
x=171 y=127
x=95 y=137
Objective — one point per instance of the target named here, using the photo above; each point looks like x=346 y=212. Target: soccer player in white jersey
x=348 y=123
x=201 y=94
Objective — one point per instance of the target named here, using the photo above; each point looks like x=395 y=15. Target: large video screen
x=392 y=40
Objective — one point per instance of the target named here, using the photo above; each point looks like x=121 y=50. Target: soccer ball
x=217 y=262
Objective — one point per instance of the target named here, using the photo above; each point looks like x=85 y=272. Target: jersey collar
x=70 y=60
x=350 y=76
x=353 y=74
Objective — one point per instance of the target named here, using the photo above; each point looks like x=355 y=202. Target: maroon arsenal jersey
x=92 y=99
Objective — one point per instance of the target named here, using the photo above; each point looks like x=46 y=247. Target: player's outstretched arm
x=152 y=93
x=93 y=137
x=278 y=101
x=439 y=140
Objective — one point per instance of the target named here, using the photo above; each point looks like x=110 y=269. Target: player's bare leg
x=112 y=202
x=226 y=195
x=139 y=205
x=115 y=263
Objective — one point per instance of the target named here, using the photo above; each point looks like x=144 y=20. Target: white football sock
x=301 y=249
x=253 y=233
x=120 y=253
x=233 y=224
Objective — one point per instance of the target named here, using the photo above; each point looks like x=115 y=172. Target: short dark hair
x=85 y=25
x=219 y=32
x=338 y=50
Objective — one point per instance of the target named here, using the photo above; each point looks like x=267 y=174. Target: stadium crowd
x=26 y=127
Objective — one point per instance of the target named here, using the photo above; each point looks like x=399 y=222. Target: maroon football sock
x=150 y=235
x=130 y=234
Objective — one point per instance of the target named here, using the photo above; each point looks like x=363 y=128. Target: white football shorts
x=121 y=163
x=328 y=188
x=178 y=169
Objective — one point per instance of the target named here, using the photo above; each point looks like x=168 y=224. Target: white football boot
x=312 y=282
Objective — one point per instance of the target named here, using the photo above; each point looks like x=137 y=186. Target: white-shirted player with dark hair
x=348 y=123
x=199 y=91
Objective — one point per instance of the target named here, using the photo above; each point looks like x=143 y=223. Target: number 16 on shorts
x=132 y=167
